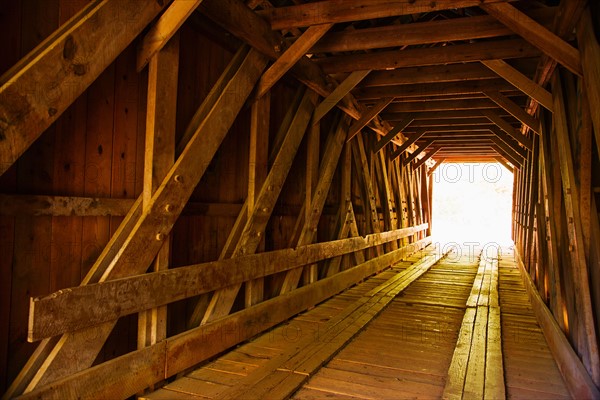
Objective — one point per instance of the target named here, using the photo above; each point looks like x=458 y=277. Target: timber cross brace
x=178 y=177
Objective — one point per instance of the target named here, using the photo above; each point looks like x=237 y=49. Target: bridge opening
x=472 y=202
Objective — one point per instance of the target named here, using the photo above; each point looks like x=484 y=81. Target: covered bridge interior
x=228 y=199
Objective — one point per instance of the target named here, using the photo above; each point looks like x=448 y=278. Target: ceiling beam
x=513 y=48
x=336 y=11
x=429 y=74
x=439 y=105
x=504 y=163
x=430 y=32
x=338 y=94
x=290 y=57
x=409 y=142
x=436 y=165
x=395 y=116
x=516 y=111
x=415 y=153
x=367 y=116
x=392 y=134
x=426 y=157
x=508 y=128
x=510 y=144
x=536 y=34
x=481 y=121
x=432 y=89
x=520 y=81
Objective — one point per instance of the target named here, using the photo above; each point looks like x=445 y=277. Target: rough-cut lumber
x=335 y=11
x=504 y=163
x=38 y=89
x=418 y=151
x=368 y=116
x=575 y=375
x=409 y=142
x=290 y=57
x=536 y=34
x=520 y=81
x=440 y=105
x=398 y=128
x=431 y=32
x=419 y=90
x=436 y=166
x=514 y=48
x=235 y=17
x=590 y=58
x=428 y=74
x=338 y=94
x=143 y=242
x=164 y=29
x=426 y=157
x=508 y=128
x=159 y=156
x=516 y=111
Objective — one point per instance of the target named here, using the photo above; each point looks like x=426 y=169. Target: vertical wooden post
x=257 y=173
x=312 y=176
x=159 y=157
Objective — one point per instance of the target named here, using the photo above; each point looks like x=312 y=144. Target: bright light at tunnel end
x=472 y=204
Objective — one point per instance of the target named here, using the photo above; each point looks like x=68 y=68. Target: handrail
x=79 y=307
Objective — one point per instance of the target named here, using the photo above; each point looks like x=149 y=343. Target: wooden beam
x=439 y=105
x=290 y=57
x=163 y=30
x=514 y=151
x=338 y=94
x=240 y=21
x=436 y=166
x=590 y=58
x=433 y=89
x=146 y=237
x=364 y=174
x=513 y=48
x=327 y=169
x=513 y=144
x=368 y=116
x=40 y=87
x=427 y=156
x=520 y=81
x=514 y=110
x=428 y=74
x=398 y=128
x=55 y=314
x=335 y=11
x=504 y=163
x=418 y=151
x=250 y=237
x=159 y=156
x=536 y=34
x=418 y=33
x=258 y=168
x=508 y=128
x=409 y=142
x=514 y=160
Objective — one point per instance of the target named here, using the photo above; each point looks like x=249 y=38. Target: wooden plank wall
x=555 y=211
x=96 y=149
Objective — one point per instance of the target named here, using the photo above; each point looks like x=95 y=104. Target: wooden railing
x=85 y=306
